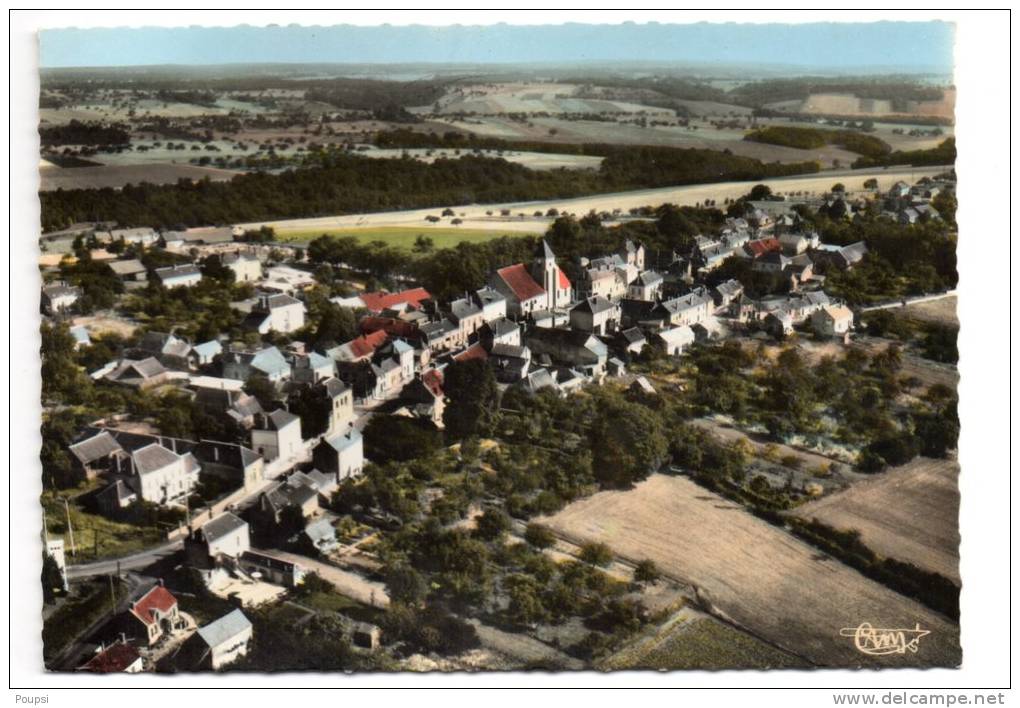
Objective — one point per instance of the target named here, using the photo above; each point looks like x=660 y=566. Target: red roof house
x=379 y=301
x=116 y=658
x=520 y=282
x=760 y=247
x=150 y=615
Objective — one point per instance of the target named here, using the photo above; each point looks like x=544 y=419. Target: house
x=287 y=280
x=642 y=386
x=247 y=268
x=115 y=497
x=509 y=362
x=376 y=302
x=272 y=569
x=226 y=535
x=276 y=313
x=426 y=396
x=393 y=364
x=499 y=331
x=674 y=340
x=468 y=316
x=234 y=405
x=171 y=351
x=633 y=254
x=570 y=347
x=550 y=318
x=151 y=613
x=796 y=243
x=179 y=276
x=268 y=362
x=832 y=321
x=725 y=293
x=293 y=493
x=631 y=340
x=341 y=403
x=237 y=464
x=119 y=657
x=841 y=257
x=140 y=374
x=778 y=323
x=492 y=302
x=696 y=306
x=537 y=379
x=759 y=247
x=647 y=286
x=142 y=236
x=225 y=640
x=59 y=297
x=595 y=314
x=543 y=286
x=321 y=536
x=277 y=436
x=359 y=349
x=605 y=278
x=204 y=353
x=312 y=367
x=160 y=475
x=129 y=271
x=95 y=455
x=342 y=455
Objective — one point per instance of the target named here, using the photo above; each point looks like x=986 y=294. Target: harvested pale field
x=759 y=577
x=531 y=160
x=942 y=311
x=475 y=215
x=117 y=176
x=910 y=513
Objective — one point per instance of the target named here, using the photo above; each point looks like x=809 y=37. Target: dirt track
x=755 y=574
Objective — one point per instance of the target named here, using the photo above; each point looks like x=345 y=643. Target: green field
x=402 y=237
x=703 y=644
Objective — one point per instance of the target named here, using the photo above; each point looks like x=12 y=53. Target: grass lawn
x=96 y=537
x=85 y=606
x=401 y=237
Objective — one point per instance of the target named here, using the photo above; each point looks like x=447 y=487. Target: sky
x=917 y=46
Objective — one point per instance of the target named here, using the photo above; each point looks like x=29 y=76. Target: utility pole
x=113 y=597
x=70 y=529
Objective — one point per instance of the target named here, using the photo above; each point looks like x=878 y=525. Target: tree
x=52 y=578
x=397 y=438
x=646 y=571
x=596 y=554
x=492 y=524
x=871 y=183
x=472 y=399
x=539 y=536
x=259 y=386
x=838 y=188
x=405 y=584
x=627 y=439
x=759 y=192
x=525 y=607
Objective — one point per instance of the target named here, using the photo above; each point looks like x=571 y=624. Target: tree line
x=346 y=183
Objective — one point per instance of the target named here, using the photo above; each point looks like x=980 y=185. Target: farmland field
x=762 y=579
x=116 y=176
x=401 y=237
x=909 y=513
x=694 y=641
x=942 y=311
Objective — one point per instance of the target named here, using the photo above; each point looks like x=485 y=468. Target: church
x=542 y=286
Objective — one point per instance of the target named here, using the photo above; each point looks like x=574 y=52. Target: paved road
x=132 y=562
x=346 y=582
